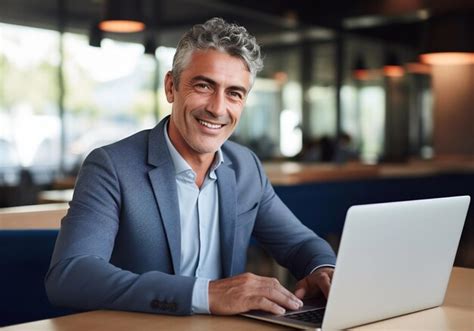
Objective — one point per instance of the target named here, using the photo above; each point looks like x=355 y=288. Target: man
x=160 y=221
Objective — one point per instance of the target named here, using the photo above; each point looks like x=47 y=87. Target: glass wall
x=363 y=98
x=109 y=94
x=379 y=105
x=271 y=122
x=322 y=93
x=29 y=117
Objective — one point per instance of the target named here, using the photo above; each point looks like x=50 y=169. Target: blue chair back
x=24 y=260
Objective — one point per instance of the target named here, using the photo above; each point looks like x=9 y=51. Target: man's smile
x=210 y=125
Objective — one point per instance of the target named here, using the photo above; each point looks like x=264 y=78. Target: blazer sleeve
x=81 y=275
x=291 y=243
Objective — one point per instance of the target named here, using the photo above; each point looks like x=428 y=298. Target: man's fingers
x=248 y=291
x=330 y=273
x=300 y=292
x=262 y=303
x=302 y=288
x=324 y=280
x=280 y=296
x=324 y=283
x=276 y=291
x=315 y=283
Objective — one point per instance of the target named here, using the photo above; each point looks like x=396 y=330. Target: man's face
x=208 y=102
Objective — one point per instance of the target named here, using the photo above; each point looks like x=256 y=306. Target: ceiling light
x=392 y=67
x=360 y=71
x=447 y=58
x=122 y=16
x=418 y=68
x=447 y=39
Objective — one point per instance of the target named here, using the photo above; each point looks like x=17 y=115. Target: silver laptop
x=394 y=258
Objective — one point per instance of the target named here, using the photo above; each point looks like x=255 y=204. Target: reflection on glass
x=291 y=135
x=323 y=110
x=426 y=106
x=29 y=116
x=372 y=122
x=276 y=88
x=109 y=94
x=350 y=123
x=259 y=124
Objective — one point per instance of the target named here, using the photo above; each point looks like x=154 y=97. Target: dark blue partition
x=322 y=206
x=24 y=260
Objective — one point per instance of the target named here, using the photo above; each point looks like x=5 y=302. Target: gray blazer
x=119 y=244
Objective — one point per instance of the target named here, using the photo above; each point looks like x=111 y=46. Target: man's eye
x=236 y=95
x=202 y=86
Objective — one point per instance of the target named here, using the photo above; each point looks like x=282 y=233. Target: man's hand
x=246 y=292
x=315 y=283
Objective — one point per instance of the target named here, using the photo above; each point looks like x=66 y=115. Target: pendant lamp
x=392 y=66
x=448 y=39
x=360 y=71
x=123 y=16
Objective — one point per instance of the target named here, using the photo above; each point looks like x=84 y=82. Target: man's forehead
x=214 y=54
x=215 y=65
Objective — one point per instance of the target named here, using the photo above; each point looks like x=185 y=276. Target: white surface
x=394 y=258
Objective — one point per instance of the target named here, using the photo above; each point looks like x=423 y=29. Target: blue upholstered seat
x=24 y=261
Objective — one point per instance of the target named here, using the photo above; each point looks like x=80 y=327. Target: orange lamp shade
x=122 y=16
x=448 y=40
x=361 y=74
x=121 y=26
x=393 y=71
x=448 y=58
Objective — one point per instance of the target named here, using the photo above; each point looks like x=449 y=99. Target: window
x=322 y=93
x=29 y=117
x=271 y=122
x=109 y=94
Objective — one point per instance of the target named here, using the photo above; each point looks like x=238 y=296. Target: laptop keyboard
x=312 y=316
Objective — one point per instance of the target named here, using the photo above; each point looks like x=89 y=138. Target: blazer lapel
x=166 y=194
x=227 y=216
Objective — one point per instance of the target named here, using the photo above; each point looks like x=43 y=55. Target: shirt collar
x=180 y=164
x=218 y=160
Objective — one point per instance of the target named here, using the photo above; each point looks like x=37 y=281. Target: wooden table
x=55 y=196
x=293 y=173
x=457 y=313
x=43 y=216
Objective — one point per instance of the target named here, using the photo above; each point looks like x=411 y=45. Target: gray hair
x=219 y=35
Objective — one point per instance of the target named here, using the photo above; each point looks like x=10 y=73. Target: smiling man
x=206 y=106
x=160 y=222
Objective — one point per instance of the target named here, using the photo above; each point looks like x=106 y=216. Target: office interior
x=359 y=102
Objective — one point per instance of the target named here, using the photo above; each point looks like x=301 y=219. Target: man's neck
x=200 y=163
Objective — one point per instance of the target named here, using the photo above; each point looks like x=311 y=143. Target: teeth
x=210 y=125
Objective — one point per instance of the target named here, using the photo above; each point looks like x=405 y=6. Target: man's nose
x=217 y=104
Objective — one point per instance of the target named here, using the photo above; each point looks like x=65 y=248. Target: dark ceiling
x=397 y=21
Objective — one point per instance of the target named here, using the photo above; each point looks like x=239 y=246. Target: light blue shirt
x=199 y=221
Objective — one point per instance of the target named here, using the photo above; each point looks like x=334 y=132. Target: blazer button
x=155 y=304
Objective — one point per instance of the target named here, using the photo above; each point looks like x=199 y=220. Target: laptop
x=394 y=258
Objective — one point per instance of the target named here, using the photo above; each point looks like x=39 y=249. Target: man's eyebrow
x=239 y=88
x=214 y=83
x=203 y=78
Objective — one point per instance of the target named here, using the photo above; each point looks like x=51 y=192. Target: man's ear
x=169 y=87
